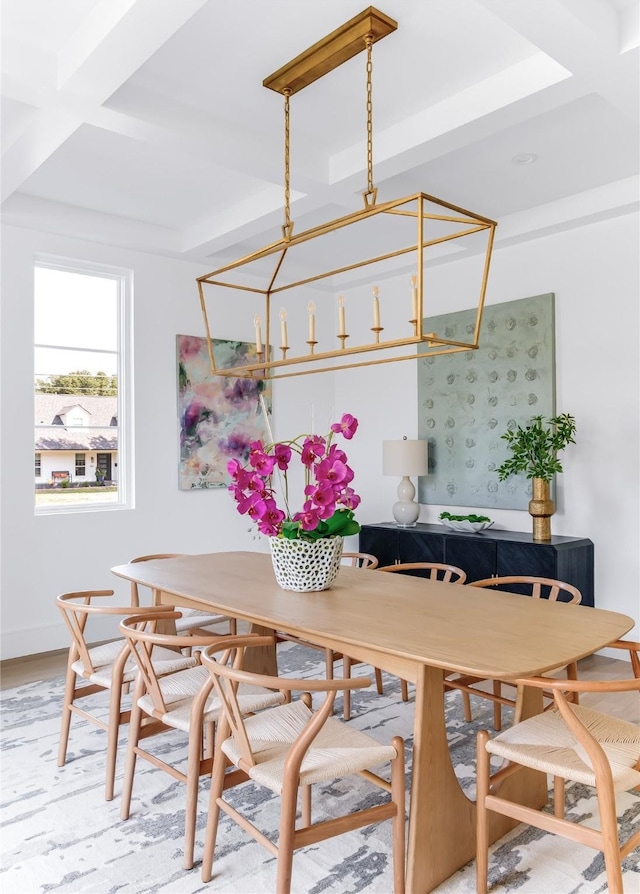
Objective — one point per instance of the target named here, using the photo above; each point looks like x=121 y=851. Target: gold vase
x=541 y=507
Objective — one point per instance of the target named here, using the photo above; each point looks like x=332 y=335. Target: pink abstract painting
x=218 y=416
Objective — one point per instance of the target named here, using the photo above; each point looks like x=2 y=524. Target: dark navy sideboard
x=491 y=553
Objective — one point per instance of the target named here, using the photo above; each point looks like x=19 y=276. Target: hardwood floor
x=18 y=671
x=625 y=705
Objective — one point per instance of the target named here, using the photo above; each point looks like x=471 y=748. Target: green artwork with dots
x=466 y=401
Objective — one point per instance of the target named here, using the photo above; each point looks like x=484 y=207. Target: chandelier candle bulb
x=283 y=328
x=258 y=326
x=376 y=308
x=414 y=300
x=312 y=322
x=341 y=319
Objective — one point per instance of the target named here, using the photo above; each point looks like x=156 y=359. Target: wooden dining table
x=417 y=629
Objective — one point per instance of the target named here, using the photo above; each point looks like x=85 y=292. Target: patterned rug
x=59 y=834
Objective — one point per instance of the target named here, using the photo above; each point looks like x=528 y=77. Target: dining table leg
x=442 y=818
x=261 y=659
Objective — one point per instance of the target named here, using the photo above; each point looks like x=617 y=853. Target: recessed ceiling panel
x=133 y=179
x=578 y=146
x=184 y=141
x=14 y=117
x=439 y=49
x=43 y=23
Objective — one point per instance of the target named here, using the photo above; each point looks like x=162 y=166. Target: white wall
x=594 y=274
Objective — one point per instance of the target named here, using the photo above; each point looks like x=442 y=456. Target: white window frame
x=126 y=477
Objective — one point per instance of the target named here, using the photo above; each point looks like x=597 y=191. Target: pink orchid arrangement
x=329 y=500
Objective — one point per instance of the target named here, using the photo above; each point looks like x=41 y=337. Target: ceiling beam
x=118 y=37
x=576 y=33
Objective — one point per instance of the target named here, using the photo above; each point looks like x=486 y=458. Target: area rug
x=59 y=834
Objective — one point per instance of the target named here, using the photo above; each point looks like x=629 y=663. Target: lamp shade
x=404 y=458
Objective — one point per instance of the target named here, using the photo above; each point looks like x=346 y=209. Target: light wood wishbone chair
x=182 y=701
x=289 y=748
x=106 y=666
x=569 y=742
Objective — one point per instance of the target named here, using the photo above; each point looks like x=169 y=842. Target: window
x=82 y=314
x=81 y=464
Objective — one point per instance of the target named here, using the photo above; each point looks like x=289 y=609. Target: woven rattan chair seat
x=338 y=750
x=545 y=743
x=179 y=689
x=104 y=656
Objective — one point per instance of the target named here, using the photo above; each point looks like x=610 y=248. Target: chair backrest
x=141 y=634
x=227 y=674
x=135 y=594
x=361 y=560
x=538 y=587
x=76 y=609
x=449 y=574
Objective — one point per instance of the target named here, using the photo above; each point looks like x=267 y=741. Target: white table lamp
x=405 y=459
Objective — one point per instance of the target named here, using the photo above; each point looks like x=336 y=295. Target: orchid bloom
x=312 y=448
x=347 y=426
x=349 y=498
x=247 y=505
x=282 y=454
x=308 y=518
x=331 y=471
x=270 y=519
x=261 y=461
x=329 y=501
x=321 y=494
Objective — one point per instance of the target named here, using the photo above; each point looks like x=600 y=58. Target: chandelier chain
x=370 y=188
x=287 y=171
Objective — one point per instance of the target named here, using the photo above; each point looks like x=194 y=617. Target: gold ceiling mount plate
x=330 y=52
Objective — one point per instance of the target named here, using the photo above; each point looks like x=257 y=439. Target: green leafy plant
x=535 y=447
x=469 y=518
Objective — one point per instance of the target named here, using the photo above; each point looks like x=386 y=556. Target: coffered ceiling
x=145 y=124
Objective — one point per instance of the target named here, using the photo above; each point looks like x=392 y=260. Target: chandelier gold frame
x=435 y=222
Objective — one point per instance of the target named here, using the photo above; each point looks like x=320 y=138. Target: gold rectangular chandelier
x=343 y=257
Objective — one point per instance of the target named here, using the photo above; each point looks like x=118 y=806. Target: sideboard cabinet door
x=568 y=559
x=414 y=546
x=380 y=541
x=475 y=554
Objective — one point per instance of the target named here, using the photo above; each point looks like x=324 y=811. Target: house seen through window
x=80 y=387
